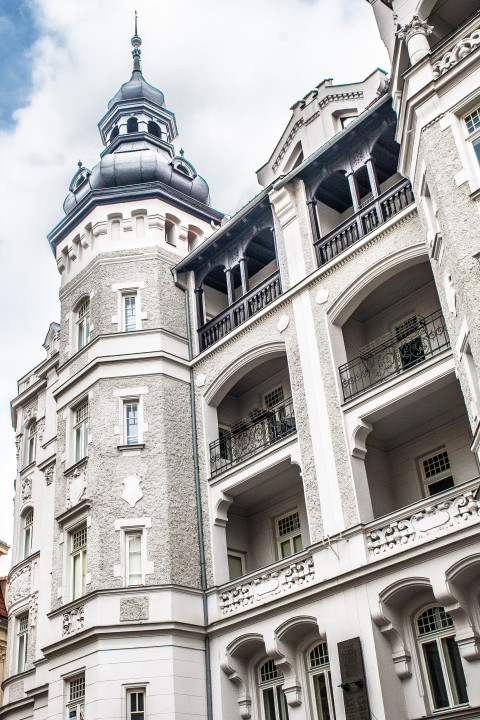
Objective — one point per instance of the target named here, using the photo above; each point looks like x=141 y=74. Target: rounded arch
x=132 y=125
x=295 y=629
x=114 y=133
x=401 y=591
x=246 y=645
x=154 y=129
x=239 y=367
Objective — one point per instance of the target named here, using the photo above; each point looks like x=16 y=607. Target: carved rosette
x=73 y=620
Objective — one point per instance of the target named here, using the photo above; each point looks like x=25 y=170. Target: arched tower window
x=32 y=443
x=114 y=133
x=154 y=129
x=27 y=532
x=83 y=324
x=132 y=125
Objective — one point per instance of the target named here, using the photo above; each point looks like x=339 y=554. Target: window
x=136 y=704
x=114 y=133
x=274 y=397
x=79 y=561
x=319 y=672
x=472 y=122
x=132 y=125
x=27 y=533
x=441 y=658
x=274 y=705
x=76 y=699
x=129 y=312
x=22 y=642
x=81 y=432
x=154 y=129
x=133 y=556
x=436 y=472
x=236 y=564
x=32 y=443
x=83 y=324
x=289 y=536
x=130 y=412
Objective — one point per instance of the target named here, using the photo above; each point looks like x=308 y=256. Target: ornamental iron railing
x=239 y=311
x=252 y=434
x=371 y=215
x=407 y=345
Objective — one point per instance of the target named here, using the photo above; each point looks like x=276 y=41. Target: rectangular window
x=81 y=432
x=27 y=533
x=32 y=443
x=76 y=699
x=472 y=121
x=133 y=556
x=136 y=704
x=22 y=642
x=79 y=561
x=130 y=412
x=274 y=397
x=289 y=536
x=129 y=312
x=436 y=472
x=236 y=564
x=83 y=324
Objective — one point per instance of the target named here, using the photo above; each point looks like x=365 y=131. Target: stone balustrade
x=254 y=589
x=457 y=52
x=434 y=516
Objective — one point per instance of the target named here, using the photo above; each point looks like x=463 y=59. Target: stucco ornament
x=77 y=488
x=26 y=489
x=200 y=380
x=19 y=585
x=49 y=473
x=33 y=610
x=283 y=323
x=322 y=296
x=450 y=293
x=73 y=620
x=416 y=26
x=132 y=492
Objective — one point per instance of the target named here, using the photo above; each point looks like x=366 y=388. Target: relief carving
x=19 y=584
x=49 y=473
x=73 y=620
x=77 y=488
x=134 y=608
x=26 y=489
x=33 y=610
x=132 y=492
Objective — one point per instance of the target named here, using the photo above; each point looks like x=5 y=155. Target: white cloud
x=230 y=72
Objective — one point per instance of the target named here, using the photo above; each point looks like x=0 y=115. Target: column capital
x=416 y=26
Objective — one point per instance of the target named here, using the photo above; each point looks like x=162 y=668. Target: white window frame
x=243 y=559
x=122 y=291
x=322 y=668
x=275 y=684
x=22 y=621
x=32 y=437
x=128 y=439
x=136 y=715
x=437 y=636
x=81 y=430
x=128 y=535
x=82 y=324
x=126 y=326
x=427 y=482
x=133 y=526
x=126 y=396
x=290 y=536
x=27 y=532
x=80 y=552
x=75 y=705
x=127 y=692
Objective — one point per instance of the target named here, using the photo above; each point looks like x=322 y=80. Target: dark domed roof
x=137 y=88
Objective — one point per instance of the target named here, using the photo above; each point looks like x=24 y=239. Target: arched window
x=83 y=324
x=270 y=685
x=32 y=443
x=441 y=659
x=154 y=129
x=27 y=533
x=132 y=125
x=114 y=133
x=321 y=682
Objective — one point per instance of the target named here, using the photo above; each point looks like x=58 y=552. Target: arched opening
x=154 y=129
x=194 y=237
x=114 y=133
x=132 y=125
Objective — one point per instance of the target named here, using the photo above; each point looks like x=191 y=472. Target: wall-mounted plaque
x=353 y=680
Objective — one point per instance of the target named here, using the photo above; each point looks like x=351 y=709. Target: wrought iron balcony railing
x=242 y=309
x=252 y=434
x=409 y=344
x=371 y=215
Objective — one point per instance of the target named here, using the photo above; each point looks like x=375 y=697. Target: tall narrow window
x=79 y=561
x=27 y=533
x=319 y=672
x=133 y=553
x=81 y=432
x=289 y=536
x=129 y=312
x=472 y=122
x=22 y=642
x=76 y=699
x=441 y=658
x=132 y=125
x=436 y=471
x=136 y=704
x=83 y=324
x=130 y=410
x=274 y=704
x=32 y=443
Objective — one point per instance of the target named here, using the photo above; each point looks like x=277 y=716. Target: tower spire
x=136 y=52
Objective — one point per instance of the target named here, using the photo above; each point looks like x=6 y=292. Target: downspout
x=203 y=574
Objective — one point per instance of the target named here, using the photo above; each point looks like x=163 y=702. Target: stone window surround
x=132 y=394
x=124 y=526
x=66 y=678
x=132 y=287
x=73 y=520
x=71 y=321
x=145 y=686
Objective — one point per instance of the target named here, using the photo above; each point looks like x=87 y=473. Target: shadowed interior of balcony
x=418 y=447
x=255 y=413
x=397 y=327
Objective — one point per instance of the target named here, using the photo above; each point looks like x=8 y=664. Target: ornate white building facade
x=248 y=466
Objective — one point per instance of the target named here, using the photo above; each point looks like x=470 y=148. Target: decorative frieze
x=461 y=49
x=433 y=519
x=19 y=585
x=73 y=620
x=278 y=581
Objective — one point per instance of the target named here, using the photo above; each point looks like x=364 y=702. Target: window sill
x=76 y=465
x=126 y=448
x=28 y=467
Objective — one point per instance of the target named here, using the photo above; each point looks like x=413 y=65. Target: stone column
x=352 y=182
x=230 y=288
x=372 y=176
x=244 y=275
x=415 y=33
x=312 y=211
x=199 y=303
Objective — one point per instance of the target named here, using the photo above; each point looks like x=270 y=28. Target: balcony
x=240 y=310
x=252 y=434
x=371 y=215
x=410 y=344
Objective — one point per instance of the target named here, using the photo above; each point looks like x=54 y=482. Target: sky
x=230 y=71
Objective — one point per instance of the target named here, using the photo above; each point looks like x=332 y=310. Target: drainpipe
x=203 y=574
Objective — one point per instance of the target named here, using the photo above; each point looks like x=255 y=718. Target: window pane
x=286 y=548
x=282 y=703
x=269 y=704
x=455 y=670
x=441 y=485
x=297 y=543
x=134 y=560
x=131 y=422
x=476 y=147
x=235 y=569
x=435 y=675
x=130 y=313
x=321 y=697
x=21 y=653
x=28 y=542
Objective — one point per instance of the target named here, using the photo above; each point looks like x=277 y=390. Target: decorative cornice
x=287 y=143
x=338 y=97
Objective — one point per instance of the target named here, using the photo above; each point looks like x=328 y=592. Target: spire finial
x=136 y=52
